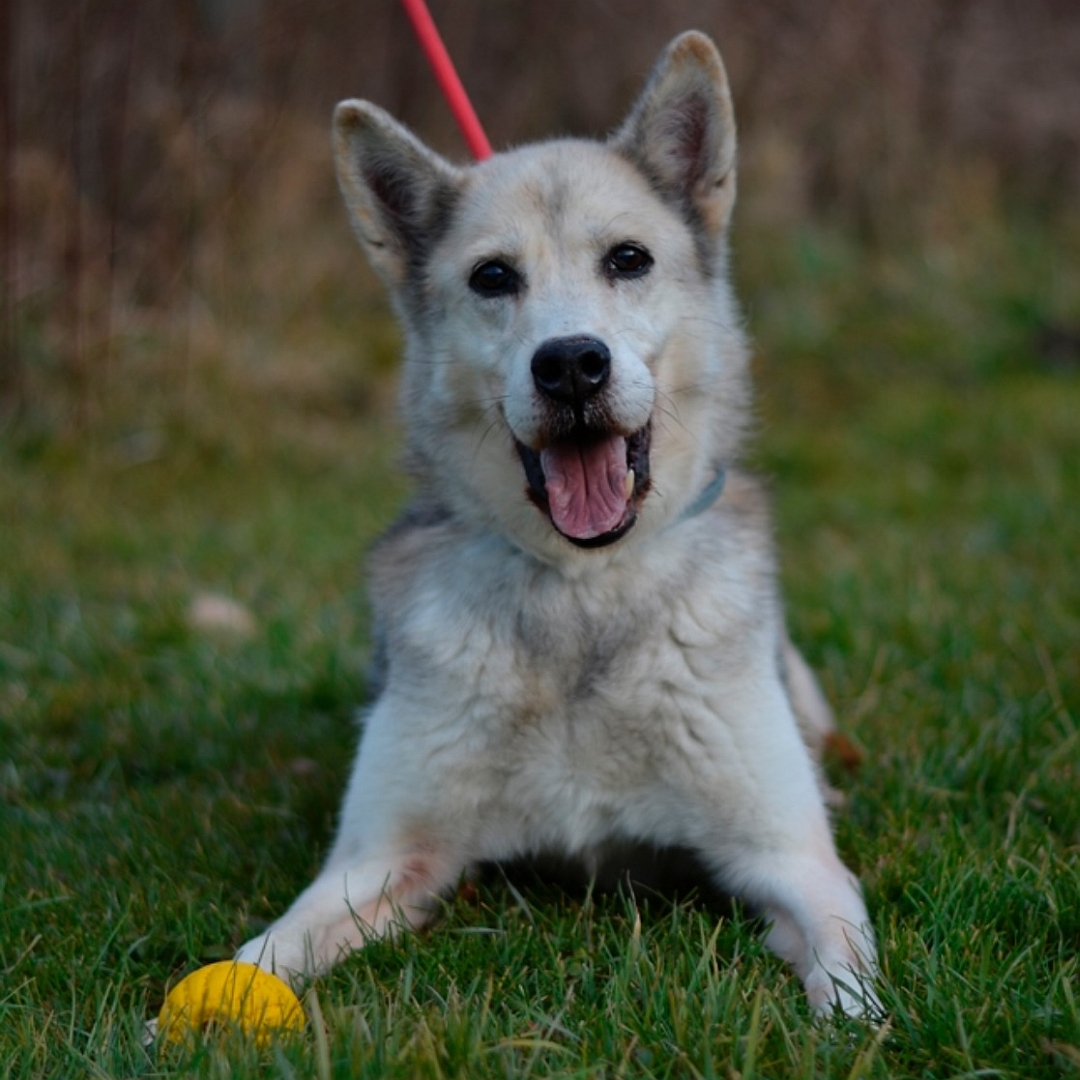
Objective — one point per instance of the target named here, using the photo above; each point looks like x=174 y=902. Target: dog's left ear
x=681 y=130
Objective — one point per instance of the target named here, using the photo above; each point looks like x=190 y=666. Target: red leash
x=448 y=79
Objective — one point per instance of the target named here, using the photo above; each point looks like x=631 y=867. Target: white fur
x=540 y=697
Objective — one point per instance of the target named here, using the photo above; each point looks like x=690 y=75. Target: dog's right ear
x=397 y=191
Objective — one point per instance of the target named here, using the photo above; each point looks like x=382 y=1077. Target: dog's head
x=575 y=369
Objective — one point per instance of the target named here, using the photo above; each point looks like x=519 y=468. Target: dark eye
x=627 y=261
x=494 y=278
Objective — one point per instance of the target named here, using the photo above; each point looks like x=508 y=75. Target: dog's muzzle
x=588 y=477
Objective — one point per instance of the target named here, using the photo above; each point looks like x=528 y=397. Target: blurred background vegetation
x=172 y=235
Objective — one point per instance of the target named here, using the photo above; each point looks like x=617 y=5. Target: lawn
x=166 y=788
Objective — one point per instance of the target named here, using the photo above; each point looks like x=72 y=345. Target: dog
x=580 y=640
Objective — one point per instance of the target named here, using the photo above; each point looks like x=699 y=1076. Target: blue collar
x=711 y=493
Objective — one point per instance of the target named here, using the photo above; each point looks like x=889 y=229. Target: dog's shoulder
x=736 y=531
x=422 y=517
x=425 y=526
x=745 y=501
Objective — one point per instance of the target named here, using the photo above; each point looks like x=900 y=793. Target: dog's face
x=574 y=366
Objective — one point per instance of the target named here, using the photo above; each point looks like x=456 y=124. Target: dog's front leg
x=348 y=905
x=390 y=863
x=818 y=921
x=775 y=849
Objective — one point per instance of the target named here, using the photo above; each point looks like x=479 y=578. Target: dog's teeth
x=628 y=483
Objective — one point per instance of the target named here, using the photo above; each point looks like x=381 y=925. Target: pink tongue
x=586 y=486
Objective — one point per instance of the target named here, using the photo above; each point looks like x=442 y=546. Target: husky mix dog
x=581 y=641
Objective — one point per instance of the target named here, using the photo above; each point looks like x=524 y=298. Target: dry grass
x=169 y=201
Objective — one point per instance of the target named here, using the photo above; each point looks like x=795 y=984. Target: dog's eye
x=494 y=278
x=627 y=261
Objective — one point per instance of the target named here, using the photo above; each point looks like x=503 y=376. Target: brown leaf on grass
x=212 y=613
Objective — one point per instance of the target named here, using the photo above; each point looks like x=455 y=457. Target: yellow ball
x=230 y=994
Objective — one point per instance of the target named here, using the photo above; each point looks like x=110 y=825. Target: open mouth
x=591 y=485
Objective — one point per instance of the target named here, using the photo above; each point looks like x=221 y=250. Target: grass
x=165 y=791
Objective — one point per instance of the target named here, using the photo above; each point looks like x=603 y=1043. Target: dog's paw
x=284 y=955
x=850 y=994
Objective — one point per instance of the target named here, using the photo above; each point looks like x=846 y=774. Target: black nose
x=571 y=369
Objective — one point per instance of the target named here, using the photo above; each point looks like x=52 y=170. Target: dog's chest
x=600 y=733
x=558 y=710
x=565 y=700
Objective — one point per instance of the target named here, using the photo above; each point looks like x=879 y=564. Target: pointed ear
x=399 y=194
x=681 y=131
